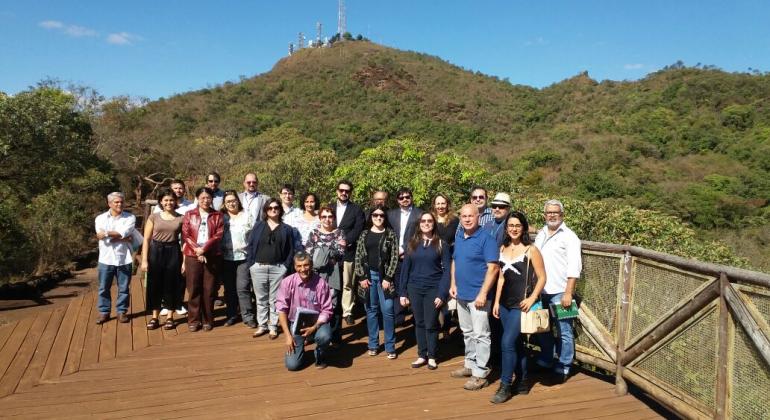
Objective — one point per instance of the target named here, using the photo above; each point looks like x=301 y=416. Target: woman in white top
x=234 y=272
x=308 y=220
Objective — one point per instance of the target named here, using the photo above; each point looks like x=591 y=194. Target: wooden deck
x=61 y=364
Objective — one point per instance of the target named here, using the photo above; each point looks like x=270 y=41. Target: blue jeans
x=514 y=360
x=322 y=337
x=106 y=274
x=565 y=346
x=376 y=304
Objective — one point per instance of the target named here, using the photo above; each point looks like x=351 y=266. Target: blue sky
x=159 y=48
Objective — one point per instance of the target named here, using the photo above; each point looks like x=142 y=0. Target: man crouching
x=302 y=291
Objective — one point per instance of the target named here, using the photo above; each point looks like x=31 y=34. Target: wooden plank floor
x=61 y=364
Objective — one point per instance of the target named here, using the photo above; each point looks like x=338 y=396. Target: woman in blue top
x=516 y=293
x=424 y=284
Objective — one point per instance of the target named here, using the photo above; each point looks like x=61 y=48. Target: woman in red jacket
x=202 y=230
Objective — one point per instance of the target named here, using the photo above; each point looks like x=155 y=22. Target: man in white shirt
x=404 y=221
x=251 y=199
x=113 y=230
x=560 y=247
x=350 y=219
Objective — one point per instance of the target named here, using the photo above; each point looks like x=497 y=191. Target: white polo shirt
x=561 y=256
x=113 y=252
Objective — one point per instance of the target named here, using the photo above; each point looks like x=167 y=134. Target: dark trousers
x=201 y=285
x=425 y=320
x=233 y=272
x=165 y=262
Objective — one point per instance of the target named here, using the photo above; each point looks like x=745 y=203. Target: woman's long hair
x=525 y=239
x=416 y=239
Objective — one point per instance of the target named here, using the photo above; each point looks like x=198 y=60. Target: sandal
x=169 y=324
x=153 y=324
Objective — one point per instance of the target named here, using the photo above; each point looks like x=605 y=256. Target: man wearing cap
x=501 y=206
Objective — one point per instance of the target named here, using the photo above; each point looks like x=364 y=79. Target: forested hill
x=693 y=142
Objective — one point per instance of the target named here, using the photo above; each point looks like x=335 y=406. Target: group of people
x=483 y=263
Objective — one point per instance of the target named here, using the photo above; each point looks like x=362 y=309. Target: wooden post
x=621 y=388
x=722 y=388
x=753 y=330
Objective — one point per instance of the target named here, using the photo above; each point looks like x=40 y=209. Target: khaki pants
x=348 y=288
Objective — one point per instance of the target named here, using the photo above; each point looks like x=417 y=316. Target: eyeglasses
x=231 y=201
x=328 y=216
x=478 y=197
x=216 y=181
x=343 y=191
x=273 y=208
x=251 y=182
x=427 y=221
x=378 y=215
x=552 y=213
x=404 y=197
x=515 y=226
x=499 y=206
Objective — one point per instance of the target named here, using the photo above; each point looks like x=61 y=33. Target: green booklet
x=561 y=313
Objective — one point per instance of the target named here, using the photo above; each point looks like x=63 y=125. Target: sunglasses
x=216 y=181
x=478 y=197
x=499 y=206
x=273 y=208
x=378 y=215
x=404 y=197
x=343 y=191
x=427 y=221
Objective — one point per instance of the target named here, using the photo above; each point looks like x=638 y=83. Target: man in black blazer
x=403 y=220
x=350 y=219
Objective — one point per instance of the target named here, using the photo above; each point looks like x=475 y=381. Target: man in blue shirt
x=473 y=276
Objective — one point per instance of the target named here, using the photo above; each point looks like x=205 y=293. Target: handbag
x=533 y=321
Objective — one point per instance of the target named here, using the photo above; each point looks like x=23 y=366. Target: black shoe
x=521 y=387
x=561 y=378
x=349 y=320
x=502 y=395
x=231 y=321
x=251 y=324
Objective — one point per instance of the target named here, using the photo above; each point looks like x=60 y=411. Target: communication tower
x=300 y=41
x=291 y=48
x=318 y=27
x=341 y=23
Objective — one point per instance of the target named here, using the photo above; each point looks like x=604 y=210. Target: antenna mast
x=341 y=29
x=300 y=41
x=318 y=27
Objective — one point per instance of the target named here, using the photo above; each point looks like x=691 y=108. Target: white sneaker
x=181 y=311
x=163 y=312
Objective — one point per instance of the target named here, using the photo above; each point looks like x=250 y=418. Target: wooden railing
x=695 y=336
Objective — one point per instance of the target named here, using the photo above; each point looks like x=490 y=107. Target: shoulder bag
x=533 y=321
